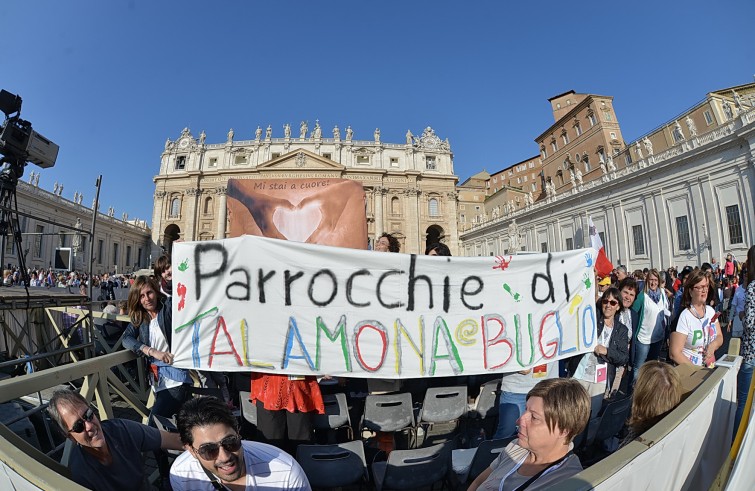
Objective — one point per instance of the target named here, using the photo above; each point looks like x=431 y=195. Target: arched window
x=586 y=161
x=207 y=210
x=433 y=207
x=395 y=206
x=175 y=207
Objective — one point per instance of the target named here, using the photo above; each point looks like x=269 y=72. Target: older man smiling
x=107 y=454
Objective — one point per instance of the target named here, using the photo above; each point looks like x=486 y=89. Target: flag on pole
x=603 y=265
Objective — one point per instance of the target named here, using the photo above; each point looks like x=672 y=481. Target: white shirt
x=589 y=362
x=699 y=332
x=157 y=341
x=267 y=468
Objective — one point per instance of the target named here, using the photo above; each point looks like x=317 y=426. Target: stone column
x=378 y=203
x=413 y=221
x=451 y=213
x=158 y=226
x=221 y=194
x=190 y=218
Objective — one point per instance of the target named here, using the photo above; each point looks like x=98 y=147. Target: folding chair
x=468 y=463
x=389 y=413
x=413 y=469
x=608 y=424
x=484 y=414
x=441 y=410
x=248 y=409
x=336 y=417
x=331 y=466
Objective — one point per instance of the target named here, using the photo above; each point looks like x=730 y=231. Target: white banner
x=259 y=304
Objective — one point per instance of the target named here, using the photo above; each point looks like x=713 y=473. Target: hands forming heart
x=326 y=216
x=298 y=222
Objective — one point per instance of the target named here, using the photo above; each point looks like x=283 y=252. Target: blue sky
x=110 y=80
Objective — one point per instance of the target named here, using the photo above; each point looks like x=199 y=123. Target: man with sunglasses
x=216 y=457
x=107 y=454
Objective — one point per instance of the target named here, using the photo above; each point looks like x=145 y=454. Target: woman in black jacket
x=597 y=370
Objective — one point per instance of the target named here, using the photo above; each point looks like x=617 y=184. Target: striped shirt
x=267 y=467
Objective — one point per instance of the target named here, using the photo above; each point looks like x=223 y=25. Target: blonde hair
x=657 y=274
x=657 y=392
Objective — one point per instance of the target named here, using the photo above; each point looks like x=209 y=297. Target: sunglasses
x=210 y=451
x=612 y=303
x=79 y=425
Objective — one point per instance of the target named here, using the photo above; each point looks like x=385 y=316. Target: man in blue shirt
x=107 y=454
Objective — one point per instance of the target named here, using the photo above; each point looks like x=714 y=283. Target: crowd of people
x=646 y=322
x=51 y=278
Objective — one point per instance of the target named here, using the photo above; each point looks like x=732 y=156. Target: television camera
x=19 y=144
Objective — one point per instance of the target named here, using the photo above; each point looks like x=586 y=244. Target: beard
x=230 y=469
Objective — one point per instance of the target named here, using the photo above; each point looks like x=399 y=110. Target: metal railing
x=99 y=380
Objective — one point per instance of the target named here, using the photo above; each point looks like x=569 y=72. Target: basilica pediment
x=301 y=159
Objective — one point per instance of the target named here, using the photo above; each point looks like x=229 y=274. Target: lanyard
x=513 y=470
x=552 y=467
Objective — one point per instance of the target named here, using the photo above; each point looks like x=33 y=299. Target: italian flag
x=603 y=265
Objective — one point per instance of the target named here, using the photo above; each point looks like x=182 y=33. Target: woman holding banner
x=597 y=370
x=149 y=335
x=151 y=312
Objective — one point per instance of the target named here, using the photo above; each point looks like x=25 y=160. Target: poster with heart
x=315 y=211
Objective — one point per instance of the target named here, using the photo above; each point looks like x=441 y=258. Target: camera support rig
x=9 y=176
x=19 y=144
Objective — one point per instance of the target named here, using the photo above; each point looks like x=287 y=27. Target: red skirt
x=278 y=392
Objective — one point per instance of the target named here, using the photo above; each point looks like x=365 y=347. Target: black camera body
x=19 y=143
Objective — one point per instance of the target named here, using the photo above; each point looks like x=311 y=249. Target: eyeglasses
x=210 y=451
x=611 y=302
x=701 y=288
x=79 y=425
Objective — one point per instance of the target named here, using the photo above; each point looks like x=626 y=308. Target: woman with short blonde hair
x=557 y=410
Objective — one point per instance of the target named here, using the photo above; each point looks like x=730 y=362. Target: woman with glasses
x=107 y=454
x=698 y=333
x=597 y=370
x=217 y=458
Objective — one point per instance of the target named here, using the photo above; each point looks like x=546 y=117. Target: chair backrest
x=487 y=401
x=336 y=412
x=613 y=418
x=417 y=468
x=444 y=404
x=388 y=413
x=330 y=466
x=248 y=409
x=486 y=453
